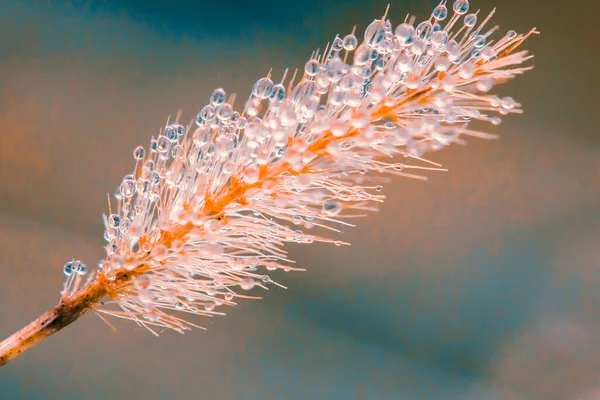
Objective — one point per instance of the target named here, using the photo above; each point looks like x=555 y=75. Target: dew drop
x=81 y=268
x=251 y=175
x=114 y=221
x=218 y=97
x=460 y=7
x=171 y=133
x=68 y=268
x=485 y=84
x=278 y=94
x=349 y=42
x=247 y=283
x=311 y=68
x=470 y=20
x=375 y=33
x=440 y=12
x=337 y=44
x=424 y=30
x=332 y=207
x=224 y=112
x=139 y=153
x=263 y=88
x=127 y=188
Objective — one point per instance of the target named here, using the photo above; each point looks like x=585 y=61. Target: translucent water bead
x=278 y=94
x=127 y=188
x=375 y=33
x=68 y=268
x=81 y=268
x=224 y=112
x=263 y=88
x=139 y=153
x=440 y=12
x=170 y=133
x=405 y=34
x=337 y=44
x=439 y=39
x=114 y=221
x=460 y=7
x=74 y=266
x=470 y=20
x=424 y=30
x=350 y=42
x=311 y=68
x=332 y=207
x=163 y=144
x=218 y=97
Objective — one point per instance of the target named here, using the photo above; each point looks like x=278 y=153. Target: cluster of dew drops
x=381 y=42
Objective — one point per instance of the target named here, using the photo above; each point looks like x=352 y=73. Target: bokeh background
x=480 y=284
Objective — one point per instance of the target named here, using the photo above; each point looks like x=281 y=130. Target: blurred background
x=481 y=283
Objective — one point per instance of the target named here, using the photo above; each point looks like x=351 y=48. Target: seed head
x=210 y=204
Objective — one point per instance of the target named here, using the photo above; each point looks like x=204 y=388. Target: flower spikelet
x=206 y=213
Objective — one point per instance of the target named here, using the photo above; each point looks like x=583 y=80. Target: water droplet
x=263 y=88
x=488 y=54
x=124 y=226
x=337 y=44
x=311 y=68
x=218 y=97
x=349 y=42
x=68 y=268
x=470 y=20
x=466 y=71
x=332 y=207
x=424 y=30
x=405 y=34
x=440 y=12
x=375 y=33
x=485 y=84
x=495 y=120
x=127 y=188
x=170 y=133
x=224 y=112
x=439 y=39
x=159 y=252
x=507 y=103
x=479 y=41
x=139 y=153
x=247 y=283
x=114 y=220
x=251 y=175
x=460 y=7
x=163 y=144
x=81 y=268
x=278 y=94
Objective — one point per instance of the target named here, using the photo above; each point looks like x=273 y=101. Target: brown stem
x=67 y=311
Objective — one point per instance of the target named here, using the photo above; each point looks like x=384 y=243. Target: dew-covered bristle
x=211 y=203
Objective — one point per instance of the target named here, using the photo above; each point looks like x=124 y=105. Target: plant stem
x=68 y=310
